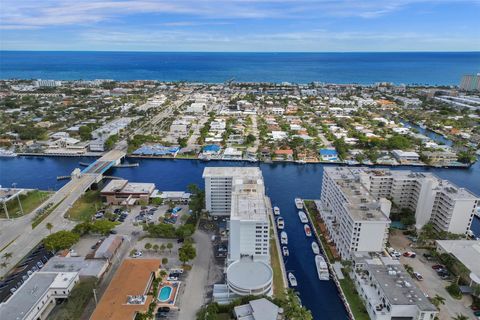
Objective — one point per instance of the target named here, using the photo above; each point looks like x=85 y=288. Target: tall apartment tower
x=355 y=220
x=220 y=182
x=470 y=82
x=434 y=200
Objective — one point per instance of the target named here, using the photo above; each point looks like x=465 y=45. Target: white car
x=172 y=279
x=137 y=254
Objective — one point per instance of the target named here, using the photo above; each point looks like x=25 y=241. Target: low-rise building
x=260 y=309
x=37 y=297
x=122 y=192
x=387 y=290
x=328 y=155
x=439 y=157
x=127 y=293
x=406 y=156
x=467 y=252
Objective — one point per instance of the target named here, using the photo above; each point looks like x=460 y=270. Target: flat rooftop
x=397 y=285
x=254 y=206
x=123 y=186
x=466 y=251
x=28 y=295
x=232 y=172
x=131 y=279
x=249 y=274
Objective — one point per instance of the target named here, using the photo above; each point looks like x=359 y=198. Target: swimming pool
x=165 y=293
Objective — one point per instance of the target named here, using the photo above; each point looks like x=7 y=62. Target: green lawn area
x=356 y=304
x=313 y=215
x=86 y=206
x=76 y=303
x=278 y=288
x=29 y=201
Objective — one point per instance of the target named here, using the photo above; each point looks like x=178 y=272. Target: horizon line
x=184 y=51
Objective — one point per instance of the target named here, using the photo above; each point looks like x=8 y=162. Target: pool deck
x=171 y=302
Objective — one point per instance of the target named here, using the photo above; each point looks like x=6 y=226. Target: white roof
x=466 y=251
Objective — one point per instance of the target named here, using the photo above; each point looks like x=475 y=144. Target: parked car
x=410 y=254
x=137 y=254
x=418 y=276
x=438 y=266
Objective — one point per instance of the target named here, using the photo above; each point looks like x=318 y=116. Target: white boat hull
x=315 y=248
x=322 y=268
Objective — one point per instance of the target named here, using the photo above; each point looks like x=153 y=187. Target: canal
x=284 y=182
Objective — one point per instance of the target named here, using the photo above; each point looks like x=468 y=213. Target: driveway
x=198 y=279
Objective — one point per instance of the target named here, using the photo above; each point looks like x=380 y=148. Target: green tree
x=162 y=248
x=49 y=227
x=155 y=247
x=187 y=252
x=148 y=246
x=61 y=240
x=460 y=317
x=161 y=230
x=250 y=139
x=170 y=246
x=85 y=133
x=438 y=300
x=164 y=261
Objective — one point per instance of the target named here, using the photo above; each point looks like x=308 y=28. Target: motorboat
x=302 y=216
x=285 y=251
x=299 y=203
x=276 y=211
x=322 y=268
x=283 y=238
x=315 y=248
x=308 y=231
x=280 y=223
x=292 y=280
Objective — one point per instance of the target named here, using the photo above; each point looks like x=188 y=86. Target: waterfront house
x=328 y=155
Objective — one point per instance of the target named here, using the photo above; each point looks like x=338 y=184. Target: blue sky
x=240 y=25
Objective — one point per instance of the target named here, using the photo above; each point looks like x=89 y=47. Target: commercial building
x=240 y=193
x=466 y=252
x=434 y=200
x=127 y=293
x=387 y=290
x=355 y=220
x=220 y=182
x=122 y=192
x=36 y=298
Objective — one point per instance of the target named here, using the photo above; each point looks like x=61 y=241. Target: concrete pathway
x=194 y=293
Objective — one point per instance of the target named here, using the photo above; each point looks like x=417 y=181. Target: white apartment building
x=355 y=220
x=387 y=290
x=47 y=83
x=447 y=206
x=36 y=298
x=240 y=193
x=219 y=182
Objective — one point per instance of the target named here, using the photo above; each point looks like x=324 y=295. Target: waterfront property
x=467 y=252
x=122 y=192
x=248 y=264
x=37 y=297
x=127 y=293
x=355 y=220
x=260 y=309
x=387 y=290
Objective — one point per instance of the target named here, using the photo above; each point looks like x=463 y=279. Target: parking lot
x=432 y=284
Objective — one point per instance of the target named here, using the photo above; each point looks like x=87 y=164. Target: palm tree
x=460 y=317
x=438 y=300
x=3 y=265
x=49 y=226
x=7 y=255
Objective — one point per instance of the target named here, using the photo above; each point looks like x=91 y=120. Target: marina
x=322 y=268
x=303 y=217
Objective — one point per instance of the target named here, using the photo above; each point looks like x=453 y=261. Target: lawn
x=85 y=207
x=278 y=286
x=314 y=216
x=356 y=304
x=29 y=201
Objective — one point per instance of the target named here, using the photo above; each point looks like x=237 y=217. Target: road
x=21 y=242
x=194 y=296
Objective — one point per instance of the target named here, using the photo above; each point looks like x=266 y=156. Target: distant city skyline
x=241 y=25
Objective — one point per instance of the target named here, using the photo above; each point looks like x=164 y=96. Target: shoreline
x=466 y=166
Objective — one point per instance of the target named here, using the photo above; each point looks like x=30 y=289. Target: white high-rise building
x=240 y=193
x=447 y=206
x=219 y=183
x=355 y=220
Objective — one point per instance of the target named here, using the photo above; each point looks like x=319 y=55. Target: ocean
x=432 y=68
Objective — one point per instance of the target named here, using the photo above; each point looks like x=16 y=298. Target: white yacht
x=322 y=268
x=280 y=223
x=283 y=238
x=302 y=216
x=292 y=280
x=285 y=251
x=315 y=248
x=276 y=211
x=299 y=203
